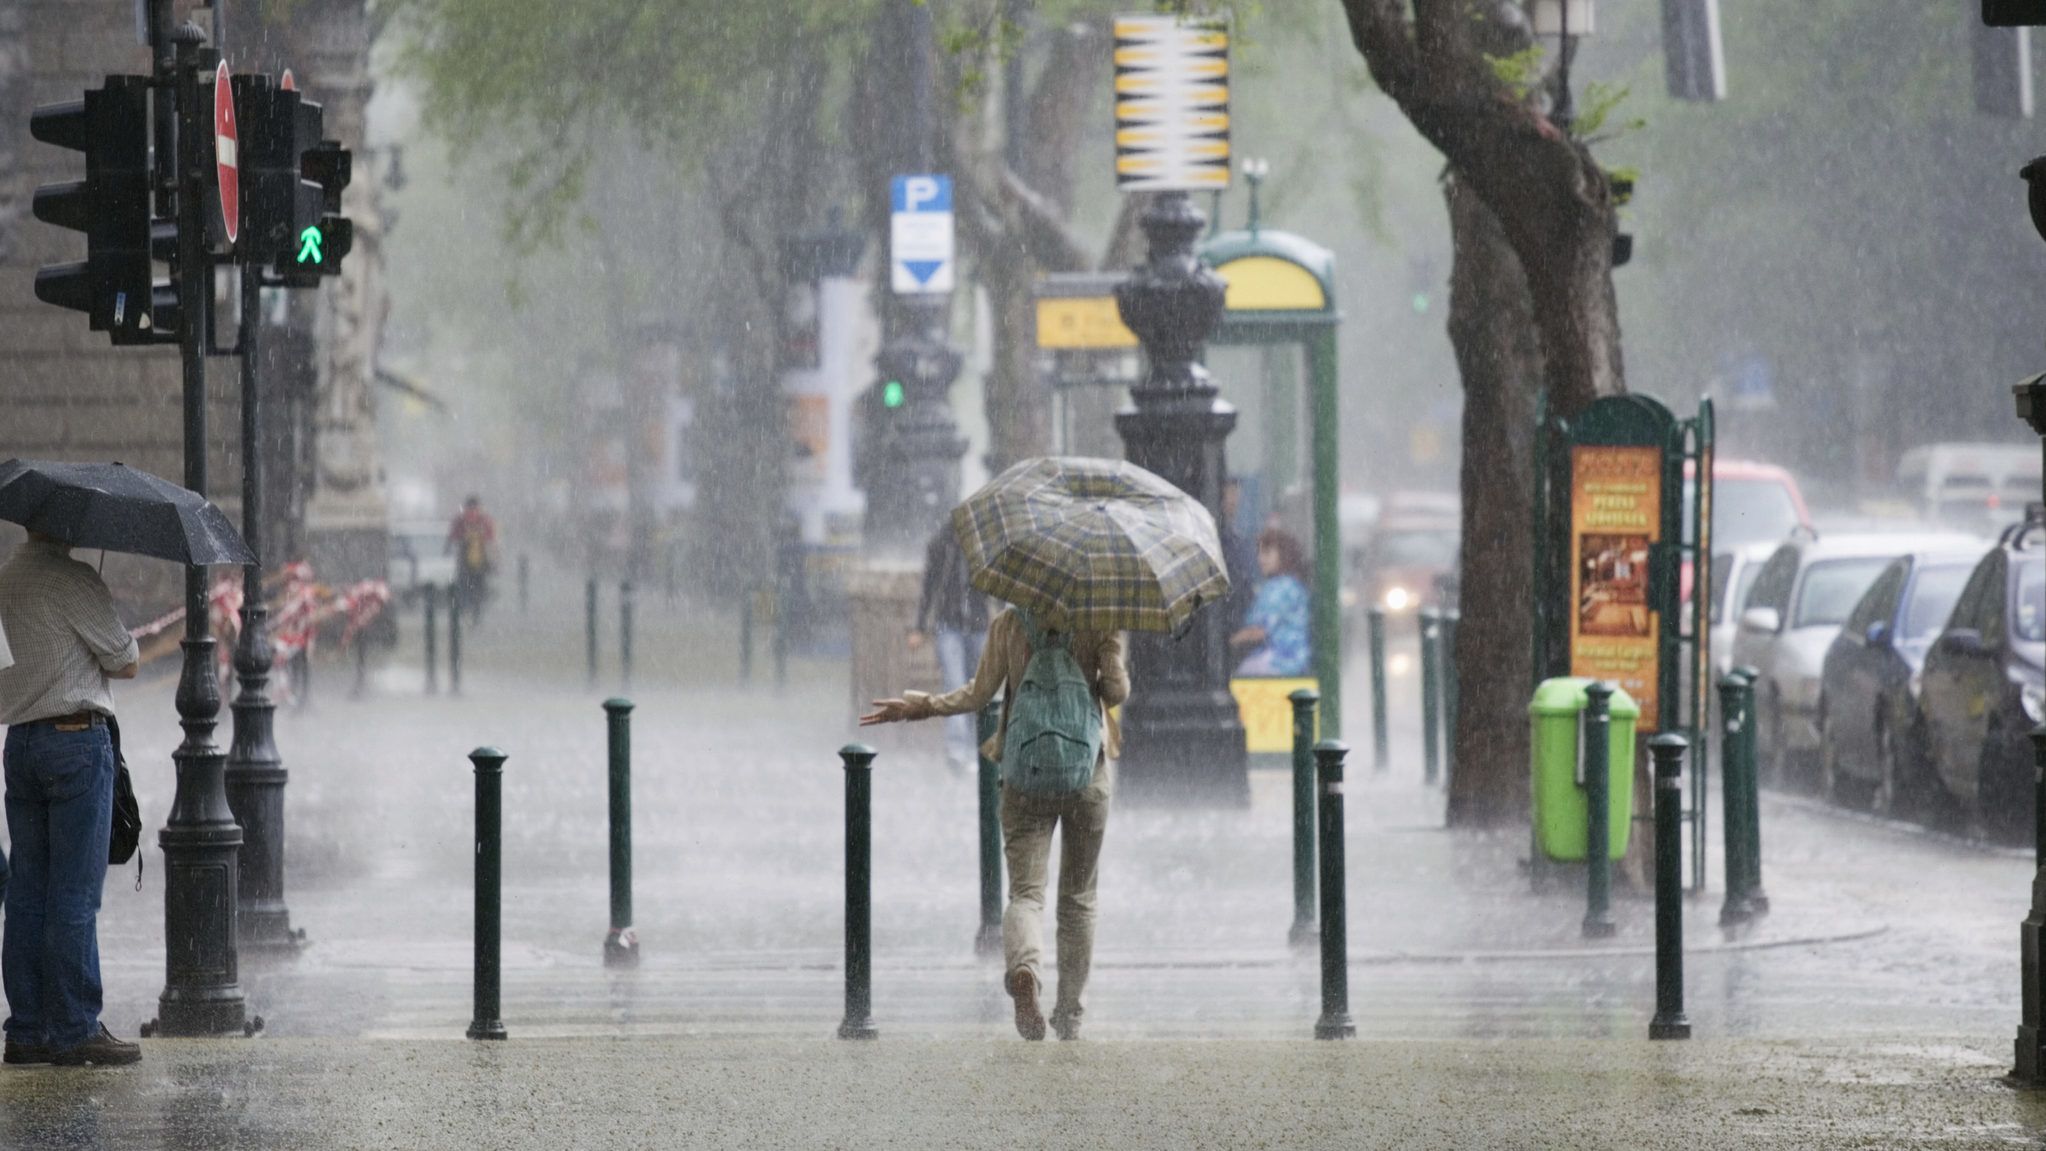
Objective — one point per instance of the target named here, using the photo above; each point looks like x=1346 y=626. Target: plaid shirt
x=65 y=636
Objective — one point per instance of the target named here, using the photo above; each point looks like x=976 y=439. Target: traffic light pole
x=255 y=774
x=202 y=992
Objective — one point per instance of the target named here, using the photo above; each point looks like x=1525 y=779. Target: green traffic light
x=891 y=394
x=309 y=245
x=1420 y=303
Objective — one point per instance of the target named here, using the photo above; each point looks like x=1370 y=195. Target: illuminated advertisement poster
x=1615 y=518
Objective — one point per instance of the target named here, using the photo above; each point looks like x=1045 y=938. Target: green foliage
x=1521 y=72
x=1597 y=106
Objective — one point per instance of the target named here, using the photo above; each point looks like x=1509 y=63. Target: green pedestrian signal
x=891 y=394
x=309 y=245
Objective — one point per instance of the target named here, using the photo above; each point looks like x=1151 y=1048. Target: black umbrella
x=120 y=509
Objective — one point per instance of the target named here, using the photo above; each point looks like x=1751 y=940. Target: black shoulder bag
x=126 y=833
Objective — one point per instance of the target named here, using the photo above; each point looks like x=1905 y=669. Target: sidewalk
x=547 y=1095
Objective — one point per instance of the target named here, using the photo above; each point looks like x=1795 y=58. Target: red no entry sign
x=224 y=148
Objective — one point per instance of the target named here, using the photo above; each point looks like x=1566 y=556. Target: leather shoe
x=21 y=1054
x=1066 y=1026
x=1029 y=1017
x=102 y=1050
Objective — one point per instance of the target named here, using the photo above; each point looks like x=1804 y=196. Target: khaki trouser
x=1027 y=823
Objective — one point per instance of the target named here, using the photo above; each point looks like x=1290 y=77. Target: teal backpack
x=1054 y=733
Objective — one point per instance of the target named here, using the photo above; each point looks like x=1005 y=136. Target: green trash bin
x=1559 y=811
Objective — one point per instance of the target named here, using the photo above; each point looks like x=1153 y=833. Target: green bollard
x=524 y=579
x=989 y=940
x=1737 y=776
x=1751 y=816
x=625 y=605
x=454 y=639
x=1430 y=622
x=1305 y=929
x=1597 y=756
x=859 y=905
x=1381 y=743
x=487 y=1021
x=430 y=598
x=1670 y=1021
x=1450 y=692
x=621 y=945
x=1335 y=1021
x=780 y=641
x=590 y=626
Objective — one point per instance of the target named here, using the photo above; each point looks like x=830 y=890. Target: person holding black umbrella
x=67 y=643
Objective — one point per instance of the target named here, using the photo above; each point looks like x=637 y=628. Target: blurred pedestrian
x=1276 y=629
x=953 y=617
x=1021 y=653
x=473 y=538
x=59 y=765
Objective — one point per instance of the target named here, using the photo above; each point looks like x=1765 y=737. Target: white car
x=1793 y=610
x=1733 y=573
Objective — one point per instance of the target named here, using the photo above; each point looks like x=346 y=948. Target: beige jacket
x=1099 y=655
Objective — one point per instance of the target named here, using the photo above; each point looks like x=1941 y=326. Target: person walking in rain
x=67 y=643
x=1058 y=689
x=954 y=617
x=473 y=538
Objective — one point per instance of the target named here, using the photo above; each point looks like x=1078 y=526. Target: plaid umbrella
x=1094 y=545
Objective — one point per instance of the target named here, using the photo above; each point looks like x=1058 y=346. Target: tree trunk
x=1499 y=355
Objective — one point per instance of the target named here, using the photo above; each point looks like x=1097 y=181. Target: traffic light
x=115 y=284
x=2014 y=13
x=292 y=181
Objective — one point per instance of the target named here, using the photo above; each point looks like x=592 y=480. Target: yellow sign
x=1268 y=284
x=1267 y=713
x=1081 y=323
x=1615 y=520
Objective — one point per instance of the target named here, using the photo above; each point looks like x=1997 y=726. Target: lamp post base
x=1183 y=748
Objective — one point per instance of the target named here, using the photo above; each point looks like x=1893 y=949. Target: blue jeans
x=958 y=658
x=60 y=797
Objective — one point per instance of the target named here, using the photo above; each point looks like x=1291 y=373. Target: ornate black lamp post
x=1183 y=736
x=2031 y=1041
x=255 y=774
x=202 y=993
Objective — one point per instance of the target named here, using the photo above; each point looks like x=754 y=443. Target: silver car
x=1792 y=612
x=1733 y=573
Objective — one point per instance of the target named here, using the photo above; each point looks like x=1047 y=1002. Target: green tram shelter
x=1280 y=304
x=1282 y=300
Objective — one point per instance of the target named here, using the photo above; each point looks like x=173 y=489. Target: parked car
x=1733 y=573
x=419 y=555
x=1983 y=689
x=1976 y=487
x=1800 y=597
x=1869 y=731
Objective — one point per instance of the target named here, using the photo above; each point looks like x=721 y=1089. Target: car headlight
x=2033 y=696
x=1397 y=599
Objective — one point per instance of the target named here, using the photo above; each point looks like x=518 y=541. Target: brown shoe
x=102 y=1050
x=1029 y=1018
x=21 y=1054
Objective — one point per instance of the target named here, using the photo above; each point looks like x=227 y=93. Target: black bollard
x=590 y=626
x=621 y=944
x=488 y=1022
x=524 y=578
x=1381 y=743
x=361 y=688
x=455 y=639
x=430 y=596
x=859 y=905
x=1450 y=691
x=781 y=640
x=1430 y=623
x=746 y=637
x=1597 y=758
x=1305 y=930
x=989 y=939
x=1740 y=799
x=1335 y=1022
x=625 y=604
x=2031 y=1045
x=1670 y=1021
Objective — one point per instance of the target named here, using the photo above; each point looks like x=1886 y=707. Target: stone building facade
x=66 y=393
